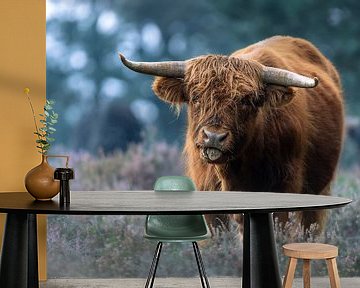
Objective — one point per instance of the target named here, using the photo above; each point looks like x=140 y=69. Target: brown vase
x=40 y=183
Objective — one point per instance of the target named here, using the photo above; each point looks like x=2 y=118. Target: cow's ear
x=170 y=90
x=277 y=96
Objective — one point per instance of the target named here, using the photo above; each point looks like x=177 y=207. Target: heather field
x=113 y=246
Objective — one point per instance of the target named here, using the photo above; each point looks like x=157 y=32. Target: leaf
x=51 y=130
x=54 y=115
x=46 y=113
x=46 y=147
x=53 y=121
x=41 y=141
x=48 y=107
x=50 y=139
x=43 y=130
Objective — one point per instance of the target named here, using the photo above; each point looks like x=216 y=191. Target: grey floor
x=179 y=282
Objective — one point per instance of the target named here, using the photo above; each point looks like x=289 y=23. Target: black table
x=260 y=266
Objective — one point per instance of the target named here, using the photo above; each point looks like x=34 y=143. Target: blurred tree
x=84 y=36
x=118 y=128
x=115 y=129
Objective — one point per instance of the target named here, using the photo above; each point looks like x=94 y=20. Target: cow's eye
x=195 y=100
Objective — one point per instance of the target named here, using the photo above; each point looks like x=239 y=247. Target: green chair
x=176 y=228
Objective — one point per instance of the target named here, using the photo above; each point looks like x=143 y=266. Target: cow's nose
x=213 y=138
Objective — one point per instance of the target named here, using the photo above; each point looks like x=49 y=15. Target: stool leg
x=154 y=264
x=333 y=273
x=289 y=277
x=200 y=265
x=306 y=273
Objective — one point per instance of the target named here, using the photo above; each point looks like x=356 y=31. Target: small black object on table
x=64 y=175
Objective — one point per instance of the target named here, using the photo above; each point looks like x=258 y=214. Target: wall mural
x=120 y=136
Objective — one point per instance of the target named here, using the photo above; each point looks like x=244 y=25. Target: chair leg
x=289 y=277
x=200 y=264
x=306 y=273
x=154 y=264
x=333 y=273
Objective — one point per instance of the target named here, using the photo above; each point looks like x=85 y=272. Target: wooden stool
x=308 y=251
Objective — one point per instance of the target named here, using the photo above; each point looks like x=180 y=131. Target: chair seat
x=176 y=228
x=310 y=250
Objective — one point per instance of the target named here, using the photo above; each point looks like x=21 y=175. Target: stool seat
x=307 y=252
x=310 y=250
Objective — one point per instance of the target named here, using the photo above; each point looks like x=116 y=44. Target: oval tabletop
x=150 y=202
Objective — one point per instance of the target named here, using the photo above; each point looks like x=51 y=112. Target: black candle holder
x=64 y=175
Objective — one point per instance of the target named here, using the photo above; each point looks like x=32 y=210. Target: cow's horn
x=175 y=69
x=287 y=78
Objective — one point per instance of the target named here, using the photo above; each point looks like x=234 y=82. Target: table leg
x=33 y=272
x=260 y=264
x=19 y=263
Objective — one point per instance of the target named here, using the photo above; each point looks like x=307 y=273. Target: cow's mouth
x=212 y=155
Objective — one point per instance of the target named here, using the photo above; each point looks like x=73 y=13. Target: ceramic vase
x=40 y=183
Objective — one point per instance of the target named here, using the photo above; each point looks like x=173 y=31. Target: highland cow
x=258 y=120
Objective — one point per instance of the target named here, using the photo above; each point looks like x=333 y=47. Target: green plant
x=47 y=119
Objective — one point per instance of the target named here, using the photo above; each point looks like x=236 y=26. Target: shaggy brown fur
x=279 y=138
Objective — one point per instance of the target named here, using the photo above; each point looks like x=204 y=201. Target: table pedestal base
x=260 y=264
x=19 y=262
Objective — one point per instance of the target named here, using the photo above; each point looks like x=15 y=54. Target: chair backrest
x=175 y=227
x=174 y=183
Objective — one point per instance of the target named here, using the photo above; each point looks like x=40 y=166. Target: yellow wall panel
x=22 y=64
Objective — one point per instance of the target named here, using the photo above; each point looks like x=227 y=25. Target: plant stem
x=36 y=127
